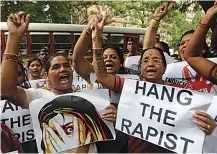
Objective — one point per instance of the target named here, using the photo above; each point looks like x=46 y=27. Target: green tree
x=79 y=11
x=40 y=11
x=34 y=9
x=57 y=11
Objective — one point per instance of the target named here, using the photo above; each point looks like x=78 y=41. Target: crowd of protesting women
x=107 y=62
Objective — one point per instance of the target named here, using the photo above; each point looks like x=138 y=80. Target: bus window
x=76 y=37
x=117 y=40
x=141 y=39
x=39 y=40
x=104 y=40
x=23 y=44
x=62 y=41
x=89 y=52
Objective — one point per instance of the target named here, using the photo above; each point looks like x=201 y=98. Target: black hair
x=119 y=51
x=188 y=32
x=165 y=47
x=34 y=59
x=62 y=52
x=47 y=66
x=45 y=49
x=26 y=83
x=80 y=108
x=161 y=53
x=130 y=39
x=205 y=45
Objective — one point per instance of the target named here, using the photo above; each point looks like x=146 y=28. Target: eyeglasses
x=154 y=61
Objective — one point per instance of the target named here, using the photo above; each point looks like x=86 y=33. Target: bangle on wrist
x=203 y=25
x=87 y=31
x=10 y=56
x=154 y=24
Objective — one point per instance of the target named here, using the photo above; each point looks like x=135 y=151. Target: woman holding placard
x=59 y=72
x=153 y=66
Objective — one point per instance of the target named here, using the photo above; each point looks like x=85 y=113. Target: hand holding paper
x=110 y=114
x=204 y=121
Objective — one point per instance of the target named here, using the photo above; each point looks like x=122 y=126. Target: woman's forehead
x=186 y=37
x=152 y=53
x=109 y=51
x=35 y=61
x=58 y=60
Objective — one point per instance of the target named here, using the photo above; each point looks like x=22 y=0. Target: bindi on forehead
x=151 y=55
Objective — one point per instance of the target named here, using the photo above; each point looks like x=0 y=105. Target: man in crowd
x=44 y=55
x=131 y=47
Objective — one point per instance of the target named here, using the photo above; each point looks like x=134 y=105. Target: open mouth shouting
x=64 y=78
x=109 y=66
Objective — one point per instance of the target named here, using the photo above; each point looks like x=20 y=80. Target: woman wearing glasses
x=152 y=68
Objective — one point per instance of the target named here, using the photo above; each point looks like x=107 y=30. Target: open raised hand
x=97 y=26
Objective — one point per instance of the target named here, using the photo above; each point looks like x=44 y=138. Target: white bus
x=64 y=36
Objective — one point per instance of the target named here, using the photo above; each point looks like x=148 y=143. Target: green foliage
x=130 y=13
x=177 y=25
x=40 y=11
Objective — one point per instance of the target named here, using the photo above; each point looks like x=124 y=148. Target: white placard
x=162 y=115
x=79 y=122
x=181 y=73
x=132 y=62
x=18 y=120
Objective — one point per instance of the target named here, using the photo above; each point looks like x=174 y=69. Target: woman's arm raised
x=17 y=27
x=204 y=67
x=81 y=64
x=150 y=36
x=107 y=80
